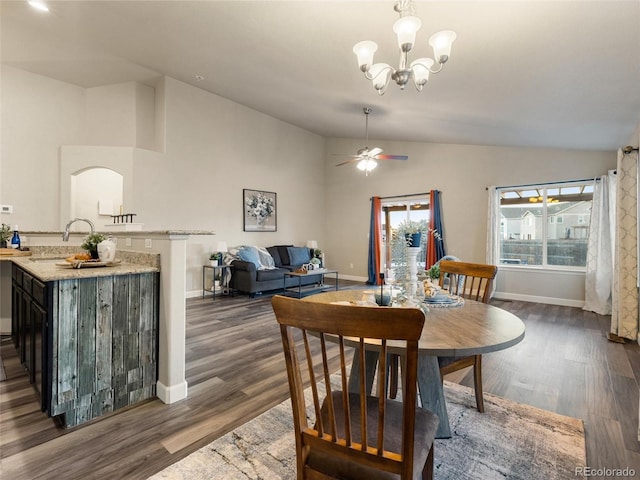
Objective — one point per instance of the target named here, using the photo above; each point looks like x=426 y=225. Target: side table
x=214 y=271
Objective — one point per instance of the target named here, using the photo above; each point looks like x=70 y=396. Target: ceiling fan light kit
x=366 y=157
x=406 y=28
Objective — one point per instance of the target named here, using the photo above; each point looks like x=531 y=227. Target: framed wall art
x=259 y=209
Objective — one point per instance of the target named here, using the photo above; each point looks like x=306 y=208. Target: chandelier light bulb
x=364 y=51
x=421 y=69
x=380 y=73
x=406 y=28
x=441 y=43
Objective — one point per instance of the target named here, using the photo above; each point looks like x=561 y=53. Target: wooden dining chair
x=355 y=435
x=472 y=281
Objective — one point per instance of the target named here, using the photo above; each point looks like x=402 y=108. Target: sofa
x=256 y=270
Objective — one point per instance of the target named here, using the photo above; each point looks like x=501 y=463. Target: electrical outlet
x=147 y=243
x=127 y=242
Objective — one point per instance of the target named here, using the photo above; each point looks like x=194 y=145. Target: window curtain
x=624 y=308
x=600 y=246
x=493 y=231
x=435 y=242
x=493 y=226
x=375 y=242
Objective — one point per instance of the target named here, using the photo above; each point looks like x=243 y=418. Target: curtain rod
x=547 y=183
x=403 y=196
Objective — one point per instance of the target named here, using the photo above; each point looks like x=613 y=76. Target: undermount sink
x=47 y=260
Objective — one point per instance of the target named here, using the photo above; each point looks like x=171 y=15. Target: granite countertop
x=43 y=265
x=127 y=233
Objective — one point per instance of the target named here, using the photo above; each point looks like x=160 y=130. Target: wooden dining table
x=470 y=329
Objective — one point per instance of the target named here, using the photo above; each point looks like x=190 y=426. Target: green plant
x=315 y=261
x=410 y=226
x=215 y=256
x=5 y=233
x=91 y=241
x=317 y=253
x=434 y=272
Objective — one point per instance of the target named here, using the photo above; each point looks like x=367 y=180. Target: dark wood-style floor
x=235 y=371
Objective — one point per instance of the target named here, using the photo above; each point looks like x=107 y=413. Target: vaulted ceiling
x=527 y=73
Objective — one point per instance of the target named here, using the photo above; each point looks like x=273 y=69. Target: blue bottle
x=15 y=240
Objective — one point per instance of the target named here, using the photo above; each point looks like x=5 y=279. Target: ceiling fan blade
x=353 y=160
x=375 y=151
x=392 y=157
x=344 y=155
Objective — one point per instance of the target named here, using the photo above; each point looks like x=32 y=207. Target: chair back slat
x=345 y=388
x=330 y=334
x=468 y=280
x=312 y=378
x=363 y=397
x=382 y=382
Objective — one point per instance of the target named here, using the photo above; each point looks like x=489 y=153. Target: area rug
x=508 y=441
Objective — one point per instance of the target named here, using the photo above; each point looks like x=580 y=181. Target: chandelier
x=405 y=28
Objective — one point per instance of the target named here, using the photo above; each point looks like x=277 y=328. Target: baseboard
x=565 y=302
x=353 y=278
x=173 y=393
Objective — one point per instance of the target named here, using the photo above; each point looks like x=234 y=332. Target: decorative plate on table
x=444 y=300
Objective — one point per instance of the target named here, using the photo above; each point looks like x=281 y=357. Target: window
x=395 y=215
x=545 y=225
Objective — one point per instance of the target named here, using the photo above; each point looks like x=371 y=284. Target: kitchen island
x=87 y=337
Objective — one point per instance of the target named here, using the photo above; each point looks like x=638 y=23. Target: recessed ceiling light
x=39 y=5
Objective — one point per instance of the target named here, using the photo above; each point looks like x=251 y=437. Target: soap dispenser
x=15 y=240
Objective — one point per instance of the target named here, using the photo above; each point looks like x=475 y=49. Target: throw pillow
x=266 y=260
x=276 y=256
x=284 y=254
x=248 y=254
x=298 y=255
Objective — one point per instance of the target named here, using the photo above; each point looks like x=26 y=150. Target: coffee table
x=300 y=290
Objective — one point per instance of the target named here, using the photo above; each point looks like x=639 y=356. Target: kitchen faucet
x=65 y=235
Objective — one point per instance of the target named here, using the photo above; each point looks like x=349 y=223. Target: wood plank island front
x=88 y=338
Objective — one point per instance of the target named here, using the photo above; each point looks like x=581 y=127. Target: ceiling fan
x=365 y=158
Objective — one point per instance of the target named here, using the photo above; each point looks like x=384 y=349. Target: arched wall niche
x=101 y=169
x=96 y=193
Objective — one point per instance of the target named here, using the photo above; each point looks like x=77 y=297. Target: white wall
x=38 y=115
x=461 y=173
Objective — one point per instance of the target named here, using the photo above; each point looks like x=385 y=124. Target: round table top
x=472 y=329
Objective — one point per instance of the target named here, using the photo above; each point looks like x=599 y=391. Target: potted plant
x=315 y=261
x=434 y=272
x=90 y=243
x=216 y=281
x=215 y=258
x=317 y=255
x=5 y=235
x=412 y=233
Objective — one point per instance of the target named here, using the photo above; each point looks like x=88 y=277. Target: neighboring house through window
x=545 y=225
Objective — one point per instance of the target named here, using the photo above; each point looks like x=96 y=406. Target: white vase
x=107 y=250
x=214 y=263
